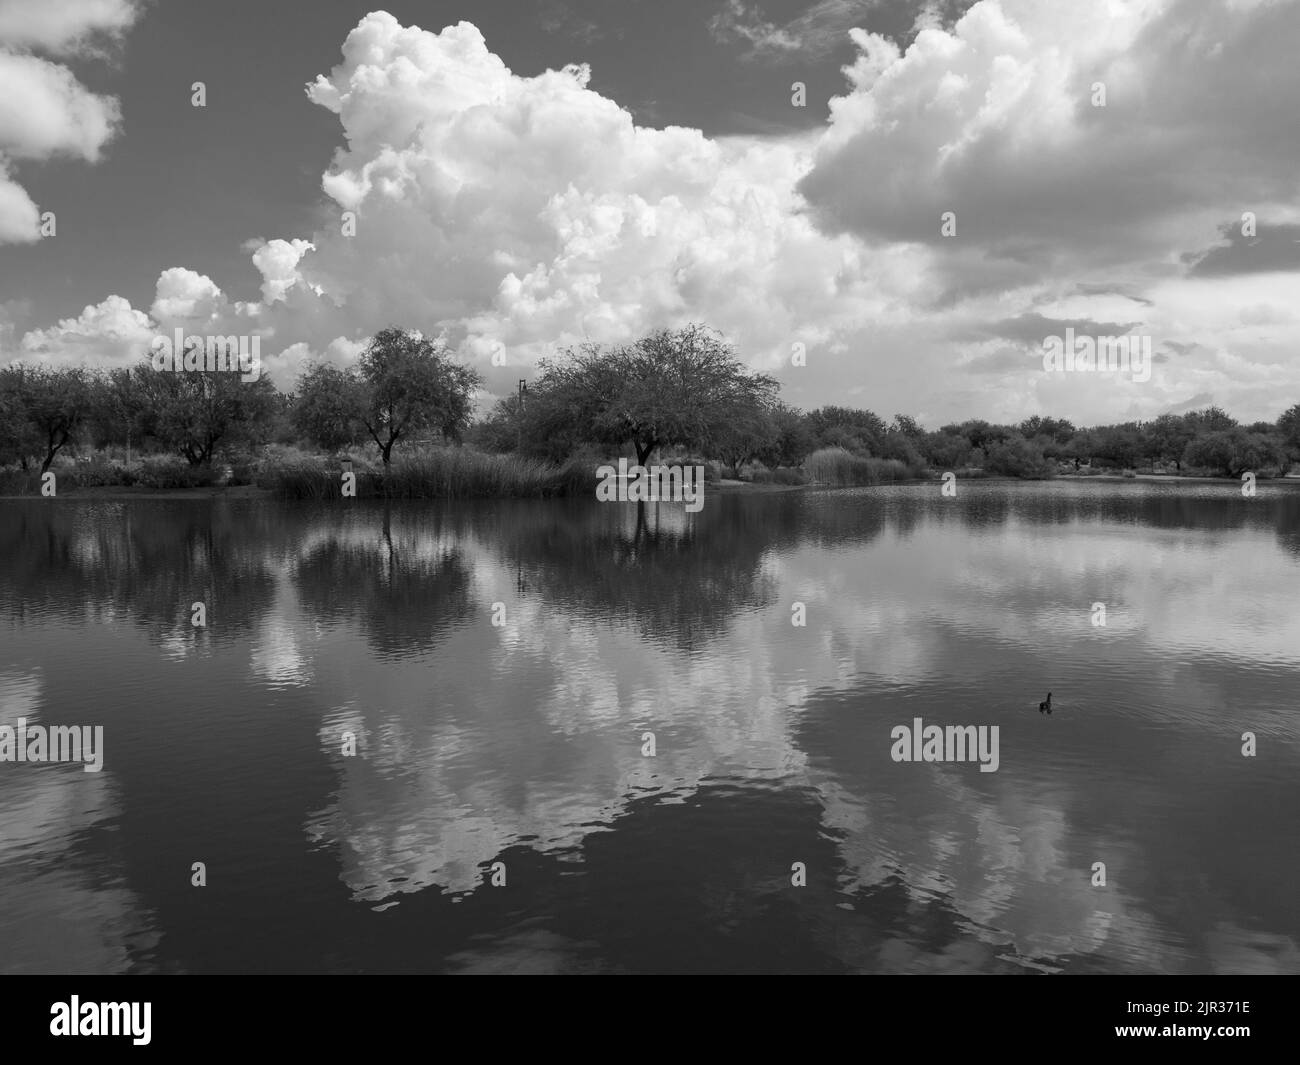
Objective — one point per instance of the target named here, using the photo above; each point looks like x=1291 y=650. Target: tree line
x=683 y=390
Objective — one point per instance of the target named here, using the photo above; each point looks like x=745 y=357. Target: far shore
x=246 y=491
x=249 y=491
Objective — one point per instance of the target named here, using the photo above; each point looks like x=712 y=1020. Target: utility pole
x=126 y=417
x=519 y=419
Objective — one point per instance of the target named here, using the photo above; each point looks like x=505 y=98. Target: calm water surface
x=522 y=743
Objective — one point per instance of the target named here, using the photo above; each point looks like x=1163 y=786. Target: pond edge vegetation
x=401 y=421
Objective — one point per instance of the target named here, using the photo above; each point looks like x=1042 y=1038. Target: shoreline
x=115 y=493
x=251 y=491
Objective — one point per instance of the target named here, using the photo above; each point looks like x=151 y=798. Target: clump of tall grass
x=99 y=469
x=14 y=482
x=435 y=473
x=172 y=471
x=781 y=475
x=302 y=476
x=458 y=473
x=840 y=468
x=92 y=470
x=712 y=467
x=1018 y=457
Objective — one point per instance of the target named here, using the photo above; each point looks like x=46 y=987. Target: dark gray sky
x=514 y=212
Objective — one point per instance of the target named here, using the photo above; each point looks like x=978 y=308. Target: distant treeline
x=674 y=391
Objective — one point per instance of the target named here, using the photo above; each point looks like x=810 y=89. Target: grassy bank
x=839 y=468
x=438 y=473
x=463 y=473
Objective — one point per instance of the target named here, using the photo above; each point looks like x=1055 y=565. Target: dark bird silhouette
x=1046 y=704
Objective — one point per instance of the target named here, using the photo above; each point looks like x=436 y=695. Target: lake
x=502 y=671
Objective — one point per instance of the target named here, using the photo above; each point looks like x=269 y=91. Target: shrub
x=20 y=482
x=435 y=473
x=172 y=471
x=242 y=473
x=312 y=477
x=587 y=457
x=94 y=471
x=945 y=450
x=460 y=473
x=1018 y=457
x=896 y=445
x=1232 y=452
x=781 y=475
x=839 y=468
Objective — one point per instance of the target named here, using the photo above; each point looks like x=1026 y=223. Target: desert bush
x=837 y=467
x=434 y=473
x=1018 y=457
x=781 y=475
x=172 y=471
x=15 y=482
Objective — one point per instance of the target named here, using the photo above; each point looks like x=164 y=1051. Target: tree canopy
x=680 y=388
x=404 y=384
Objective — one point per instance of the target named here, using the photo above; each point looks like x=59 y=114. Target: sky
x=962 y=181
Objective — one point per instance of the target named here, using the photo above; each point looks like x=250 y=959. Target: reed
x=840 y=468
x=434 y=473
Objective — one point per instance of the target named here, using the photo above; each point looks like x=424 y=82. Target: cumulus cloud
x=105 y=335
x=20 y=219
x=278 y=262
x=824 y=27
x=512 y=214
x=737 y=20
x=186 y=295
x=995 y=121
x=1275 y=247
x=1030 y=329
x=113 y=334
x=483 y=210
x=64 y=26
x=45 y=112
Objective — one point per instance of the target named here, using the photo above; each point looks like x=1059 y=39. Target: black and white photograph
x=654 y=488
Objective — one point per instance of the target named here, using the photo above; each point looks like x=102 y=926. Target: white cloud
x=994 y=120
x=20 y=219
x=183 y=294
x=484 y=215
x=816 y=32
x=114 y=334
x=45 y=112
x=278 y=261
x=64 y=26
x=105 y=335
x=482 y=209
